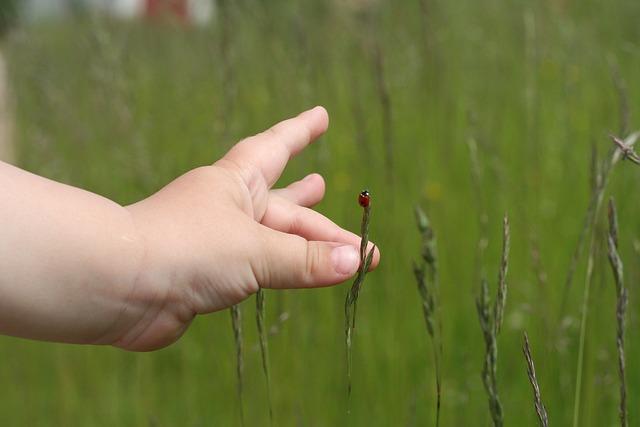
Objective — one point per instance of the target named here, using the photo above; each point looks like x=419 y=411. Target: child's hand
x=215 y=235
x=77 y=267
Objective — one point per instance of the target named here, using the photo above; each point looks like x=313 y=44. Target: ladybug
x=364 y=198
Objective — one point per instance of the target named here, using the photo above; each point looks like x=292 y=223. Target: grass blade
x=531 y=372
x=621 y=307
x=626 y=150
x=236 y=324
x=501 y=298
x=264 y=347
x=490 y=323
x=351 y=299
x=616 y=154
x=426 y=274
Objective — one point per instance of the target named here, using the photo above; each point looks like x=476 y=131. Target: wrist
x=155 y=312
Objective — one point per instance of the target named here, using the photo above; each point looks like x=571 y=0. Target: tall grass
x=351 y=300
x=236 y=325
x=623 y=149
x=621 y=308
x=491 y=318
x=264 y=347
x=189 y=93
x=541 y=411
x=602 y=177
x=426 y=273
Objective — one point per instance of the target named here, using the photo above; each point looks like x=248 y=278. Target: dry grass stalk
x=501 y=297
x=621 y=307
x=589 y=225
x=531 y=372
x=583 y=330
x=236 y=324
x=351 y=300
x=491 y=319
x=426 y=274
x=626 y=150
x=264 y=347
x=595 y=202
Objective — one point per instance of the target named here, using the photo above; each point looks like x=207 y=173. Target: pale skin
x=77 y=267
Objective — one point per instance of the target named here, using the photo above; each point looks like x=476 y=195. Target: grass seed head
x=541 y=411
x=351 y=300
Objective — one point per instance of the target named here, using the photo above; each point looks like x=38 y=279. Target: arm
x=68 y=258
x=76 y=267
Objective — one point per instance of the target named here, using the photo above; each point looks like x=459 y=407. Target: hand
x=218 y=233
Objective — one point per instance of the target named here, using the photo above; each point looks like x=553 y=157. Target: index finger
x=268 y=152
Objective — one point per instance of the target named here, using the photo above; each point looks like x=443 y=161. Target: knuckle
x=313 y=263
x=295 y=224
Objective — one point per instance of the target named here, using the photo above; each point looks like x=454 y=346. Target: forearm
x=69 y=262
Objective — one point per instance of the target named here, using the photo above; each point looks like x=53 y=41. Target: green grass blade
x=236 y=324
x=264 y=347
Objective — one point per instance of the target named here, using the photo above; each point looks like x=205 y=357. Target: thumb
x=290 y=261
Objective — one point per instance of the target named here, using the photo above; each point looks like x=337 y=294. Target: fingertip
x=322 y=112
x=307 y=192
x=317 y=181
x=319 y=120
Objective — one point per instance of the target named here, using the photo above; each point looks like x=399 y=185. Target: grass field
x=121 y=109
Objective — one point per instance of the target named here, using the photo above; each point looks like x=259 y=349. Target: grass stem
x=621 y=308
x=541 y=411
x=236 y=324
x=264 y=347
x=351 y=300
x=491 y=319
x=426 y=274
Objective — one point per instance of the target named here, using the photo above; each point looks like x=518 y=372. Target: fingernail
x=309 y=177
x=345 y=259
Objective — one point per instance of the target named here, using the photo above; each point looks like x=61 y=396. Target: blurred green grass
x=121 y=109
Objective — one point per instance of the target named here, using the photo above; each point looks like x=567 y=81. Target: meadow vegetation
x=469 y=109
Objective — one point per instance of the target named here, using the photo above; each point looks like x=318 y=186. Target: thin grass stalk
x=489 y=368
x=501 y=297
x=621 y=308
x=491 y=319
x=627 y=150
x=623 y=95
x=236 y=324
x=478 y=191
x=351 y=300
x=615 y=155
x=385 y=105
x=426 y=273
x=542 y=280
x=618 y=153
x=541 y=411
x=583 y=330
x=264 y=347
x=358 y=110
x=227 y=68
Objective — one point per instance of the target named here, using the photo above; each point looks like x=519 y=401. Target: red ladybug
x=364 y=199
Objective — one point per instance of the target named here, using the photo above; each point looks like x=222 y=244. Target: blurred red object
x=167 y=9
